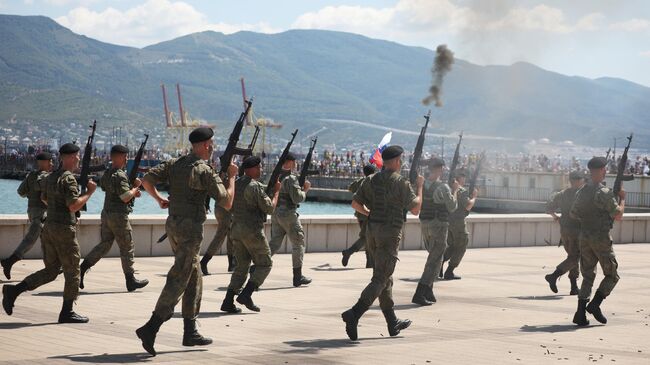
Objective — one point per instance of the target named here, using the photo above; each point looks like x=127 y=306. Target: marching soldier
x=457 y=236
x=596 y=208
x=190 y=180
x=362 y=219
x=115 y=219
x=438 y=201
x=383 y=198
x=250 y=208
x=59 y=237
x=224 y=220
x=284 y=220
x=31 y=189
x=569 y=231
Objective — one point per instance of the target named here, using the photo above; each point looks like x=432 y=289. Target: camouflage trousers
x=250 y=245
x=383 y=244
x=457 y=240
x=595 y=249
x=36 y=217
x=115 y=227
x=60 y=251
x=288 y=224
x=434 y=234
x=184 y=278
x=224 y=220
x=572 y=248
x=361 y=241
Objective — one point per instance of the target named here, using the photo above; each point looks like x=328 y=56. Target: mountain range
x=302 y=78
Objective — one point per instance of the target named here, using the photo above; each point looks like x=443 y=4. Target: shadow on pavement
x=540 y=297
x=552 y=328
x=14 y=325
x=315 y=346
x=60 y=293
x=117 y=358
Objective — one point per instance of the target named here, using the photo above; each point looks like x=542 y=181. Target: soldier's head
x=44 y=161
x=392 y=157
x=252 y=167
x=369 y=169
x=201 y=140
x=436 y=167
x=597 y=168
x=576 y=178
x=69 y=155
x=460 y=175
x=290 y=162
x=119 y=155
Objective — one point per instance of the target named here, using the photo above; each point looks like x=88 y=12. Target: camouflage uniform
x=457 y=236
x=115 y=221
x=569 y=231
x=190 y=180
x=31 y=189
x=595 y=208
x=285 y=220
x=224 y=220
x=363 y=224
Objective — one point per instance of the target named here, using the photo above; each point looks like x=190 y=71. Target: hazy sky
x=591 y=38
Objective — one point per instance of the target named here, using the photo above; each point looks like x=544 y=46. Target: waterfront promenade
x=501 y=312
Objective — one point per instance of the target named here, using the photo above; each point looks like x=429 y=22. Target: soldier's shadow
x=81 y=293
x=15 y=325
x=117 y=358
x=552 y=328
x=315 y=346
x=540 y=297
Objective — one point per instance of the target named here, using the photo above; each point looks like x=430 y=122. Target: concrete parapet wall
x=331 y=233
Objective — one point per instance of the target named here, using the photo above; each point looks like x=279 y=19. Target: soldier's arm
x=154 y=176
x=465 y=201
x=443 y=195
x=354 y=186
x=23 y=188
x=575 y=211
x=295 y=192
x=122 y=188
x=413 y=201
x=552 y=205
x=361 y=197
x=73 y=200
x=262 y=200
x=605 y=200
x=206 y=179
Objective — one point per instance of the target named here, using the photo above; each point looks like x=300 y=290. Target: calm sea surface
x=12 y=203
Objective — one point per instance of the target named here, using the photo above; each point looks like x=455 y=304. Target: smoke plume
x=441 y=65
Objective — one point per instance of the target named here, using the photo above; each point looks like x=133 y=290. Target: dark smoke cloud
x=441 y=65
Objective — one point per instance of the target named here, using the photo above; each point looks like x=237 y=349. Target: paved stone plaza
x=502 y=311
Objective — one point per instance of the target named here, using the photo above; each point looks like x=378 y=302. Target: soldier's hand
x=233 y=170
x=454 y=186
x=419 y=182
x=163 y=203
x=621 y=194
x=137 y=183
x=277 y=187
x=474 y=193
x=137 y=193
x=91 y=187
x=307 y=186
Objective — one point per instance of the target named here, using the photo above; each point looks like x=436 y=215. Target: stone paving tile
x=501 y=312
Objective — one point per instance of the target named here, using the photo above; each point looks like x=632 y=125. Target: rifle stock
x=277 y=170
x=133 y=174
x=305 y=171
x=85 y=163
x=417 y=153
x=232 y=149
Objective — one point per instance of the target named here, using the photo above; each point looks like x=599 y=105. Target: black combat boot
x=428 y=294
x=7 y=264
x=594 y=307
x=580 y=318
x=204 y=264
x=552 y=280
x=346 y=257
x=9 y=295
x=395 y=325
x=574 y=286
x=449 y=274
x=351 y=318
x=192 y=337
x=245 y=297
x=298 y=278
x=132 y=283
x=370 y=263
x=419 y=296
x=82 y=272
x=232 y=262
x=147 y=333
x=67 y=315
x=228 y=304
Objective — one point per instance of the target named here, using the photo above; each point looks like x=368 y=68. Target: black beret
x=369 y=169
x=576 y=175
x=460 y=172
x=251 y=161
x=118 y=148
x=597 y=163
x=391 y=152
x=68 y=148
x=44 y=156
x=435 y=162
x=201 y=134
x=291 y=156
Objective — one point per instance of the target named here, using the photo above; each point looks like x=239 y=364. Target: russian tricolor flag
x=376 y=156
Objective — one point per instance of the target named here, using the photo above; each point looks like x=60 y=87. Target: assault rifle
x=133 y=174
x=455 y=161
x=232 y=149
x=305 y=171
x=474 y=178
x=620 y=177
x=85 y=163
x=277 y=170
x=417 y=153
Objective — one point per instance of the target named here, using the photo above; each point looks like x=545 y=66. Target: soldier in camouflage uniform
x=191 y=180
x=383 y=198
x=31 y=188
x=363 y=222
x=438 y=200
x=596 y=208
x=569 y=230
x=284 y=220
x=250 y=208
x=457 y=235
x=115 y=219
x=59 y=237
x=224 y=221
